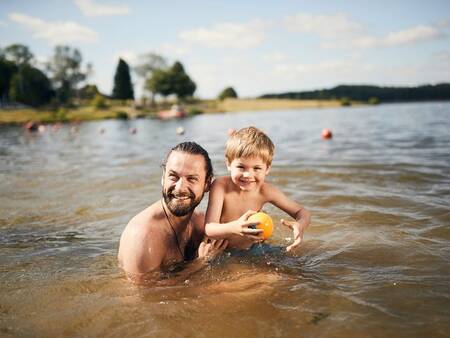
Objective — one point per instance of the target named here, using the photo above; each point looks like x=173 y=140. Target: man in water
x=169 y=231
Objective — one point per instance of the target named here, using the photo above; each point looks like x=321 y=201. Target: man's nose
x=180 y=185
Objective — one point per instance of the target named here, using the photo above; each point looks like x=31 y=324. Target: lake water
x=375 y=261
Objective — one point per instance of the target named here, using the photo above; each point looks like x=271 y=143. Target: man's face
x=183 y=182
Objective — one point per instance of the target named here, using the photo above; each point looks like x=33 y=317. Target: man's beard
x=180 y=208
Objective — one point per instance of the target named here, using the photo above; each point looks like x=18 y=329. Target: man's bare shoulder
x=137 y=238
x=144 y=221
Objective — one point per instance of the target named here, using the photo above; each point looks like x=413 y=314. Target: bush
x=99 y=102
x=195 y=111
x=121 y=115
x=59 y=115
x=345 y=102
x=374 y=100
x=228 y=92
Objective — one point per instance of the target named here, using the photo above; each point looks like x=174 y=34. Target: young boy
x=233 y=199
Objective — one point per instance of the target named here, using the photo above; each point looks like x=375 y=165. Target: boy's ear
x=268 y=169
x=228 y=164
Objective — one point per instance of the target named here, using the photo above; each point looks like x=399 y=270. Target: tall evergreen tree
x=123 y=88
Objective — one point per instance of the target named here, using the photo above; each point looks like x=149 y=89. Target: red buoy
x=327 y=134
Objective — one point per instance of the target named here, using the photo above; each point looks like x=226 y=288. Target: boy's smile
x=248 y=173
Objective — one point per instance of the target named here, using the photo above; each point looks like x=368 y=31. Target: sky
x=257 y=47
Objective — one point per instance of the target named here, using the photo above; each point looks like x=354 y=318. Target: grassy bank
x=85 y=113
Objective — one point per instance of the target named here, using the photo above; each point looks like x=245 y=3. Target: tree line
x=63 y=78
x=372 y=93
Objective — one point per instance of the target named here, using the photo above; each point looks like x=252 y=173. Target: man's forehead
x=189 y=164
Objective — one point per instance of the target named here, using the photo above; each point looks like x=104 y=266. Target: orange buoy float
x=327 y=134
x=265 y=223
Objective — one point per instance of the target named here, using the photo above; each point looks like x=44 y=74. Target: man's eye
x=192 y=179
x=173 y=177
x=257 y=168
x=240 y=167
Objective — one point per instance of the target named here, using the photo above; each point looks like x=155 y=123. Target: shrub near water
x=99 y=102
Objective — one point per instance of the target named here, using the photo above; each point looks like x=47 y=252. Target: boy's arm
x=216 y=230
x=301 y=215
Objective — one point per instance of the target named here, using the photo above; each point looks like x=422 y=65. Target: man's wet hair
x=194 y=149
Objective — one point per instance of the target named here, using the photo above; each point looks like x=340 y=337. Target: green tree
x=182 y=85
x=228 y=92
x=18 y=54
x=171 y=81
x=123 y=88
x=30 y=86
x=159 y=83
x=7 y=71
x=65 y=68
x=148 y=64
x=88 y=92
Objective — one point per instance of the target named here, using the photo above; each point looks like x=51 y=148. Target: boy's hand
x=210 y=248
x=298 y=233
x=242 y=226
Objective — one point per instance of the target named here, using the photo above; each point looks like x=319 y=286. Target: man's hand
x=209 y=249
x=297 y=229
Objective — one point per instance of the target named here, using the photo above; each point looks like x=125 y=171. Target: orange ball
x=265 y=223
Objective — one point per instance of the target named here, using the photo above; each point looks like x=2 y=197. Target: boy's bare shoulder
x=269 y=191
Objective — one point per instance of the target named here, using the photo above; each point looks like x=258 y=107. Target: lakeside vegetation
x=116 y=109
x=59 y=91
x=372 y=94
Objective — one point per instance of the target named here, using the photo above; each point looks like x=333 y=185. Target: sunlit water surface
x=374 y=263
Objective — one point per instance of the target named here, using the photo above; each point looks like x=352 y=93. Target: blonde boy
x=233 y=199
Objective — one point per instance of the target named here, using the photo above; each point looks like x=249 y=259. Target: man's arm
x=299 y=213
x=140 y=251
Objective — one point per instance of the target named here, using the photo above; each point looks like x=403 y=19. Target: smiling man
x=170 y=231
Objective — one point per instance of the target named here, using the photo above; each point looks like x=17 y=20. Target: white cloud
x=325 y=26
x=275 y=57
x=228 y=35
x=55 y=32
x=408 y=36
x=339 y=31
x=90 y=8
x=2 y=24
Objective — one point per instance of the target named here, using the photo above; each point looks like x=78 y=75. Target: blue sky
x=255 y=46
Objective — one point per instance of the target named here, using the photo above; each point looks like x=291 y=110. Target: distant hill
x=372 y=93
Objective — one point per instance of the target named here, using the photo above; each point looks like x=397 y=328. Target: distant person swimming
x=233 y=199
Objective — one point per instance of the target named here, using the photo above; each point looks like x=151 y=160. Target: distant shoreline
x=88 y=113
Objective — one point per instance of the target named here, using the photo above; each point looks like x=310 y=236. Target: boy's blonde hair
x=249 y=142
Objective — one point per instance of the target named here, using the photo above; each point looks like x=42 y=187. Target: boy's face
x=248 y=173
